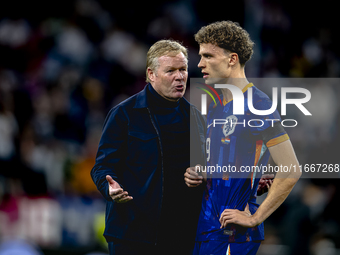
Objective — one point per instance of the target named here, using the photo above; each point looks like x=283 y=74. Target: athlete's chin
x=212 y=81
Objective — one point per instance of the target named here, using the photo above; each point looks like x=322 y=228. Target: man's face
x=214 y=63
x=170 y=78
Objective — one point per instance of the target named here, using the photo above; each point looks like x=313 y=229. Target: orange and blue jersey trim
x=258 y=154
x=277 y=140
x=228 y=250
x=243 y=90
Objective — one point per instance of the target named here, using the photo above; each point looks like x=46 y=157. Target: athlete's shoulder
x=258 y=94
x=260 y=100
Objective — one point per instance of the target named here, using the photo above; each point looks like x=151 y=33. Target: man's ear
x=233 y=59
x=151 y=74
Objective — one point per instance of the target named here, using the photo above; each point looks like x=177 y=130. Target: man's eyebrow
x=205 y=54
x=173 y=67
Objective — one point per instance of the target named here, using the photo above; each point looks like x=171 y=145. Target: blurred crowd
x=64 y=65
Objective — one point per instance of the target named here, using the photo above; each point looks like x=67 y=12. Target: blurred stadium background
x=64 y=64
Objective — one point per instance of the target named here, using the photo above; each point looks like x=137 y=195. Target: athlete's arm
x=283 y=155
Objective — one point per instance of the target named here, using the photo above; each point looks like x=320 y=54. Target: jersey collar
x=243 y=90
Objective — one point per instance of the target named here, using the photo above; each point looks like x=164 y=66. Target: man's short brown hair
x=229 y=36
x=162 y=48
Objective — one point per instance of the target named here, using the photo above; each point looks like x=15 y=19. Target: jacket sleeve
x=111 y=150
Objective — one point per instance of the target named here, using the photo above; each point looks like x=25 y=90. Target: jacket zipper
x=160 y=145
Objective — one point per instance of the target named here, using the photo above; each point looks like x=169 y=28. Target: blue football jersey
x=235 y=144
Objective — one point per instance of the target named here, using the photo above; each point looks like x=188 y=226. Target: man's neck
x=241 y=83
x=161 y=102
x=239 y=80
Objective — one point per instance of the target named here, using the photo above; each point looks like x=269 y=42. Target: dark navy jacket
x=130 y=150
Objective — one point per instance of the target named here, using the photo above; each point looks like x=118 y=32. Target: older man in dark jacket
x=142 y=156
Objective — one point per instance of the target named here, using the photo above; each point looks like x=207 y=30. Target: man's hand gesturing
x=116 y=192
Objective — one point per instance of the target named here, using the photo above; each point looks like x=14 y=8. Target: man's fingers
x=267 y=176
x=124 y=199
x=191 y=181
x=114 y=195
x=113 y=184
x=192 y=174
x=119 y=195
x=227 y=212
x=192 y=171
x=227 y=216
x=116 y=192
x=109 y=179
x=268 y=185
x=235 y=216
x=191 y=177
x=223 y=215
x=224 y=220
x=191 y=184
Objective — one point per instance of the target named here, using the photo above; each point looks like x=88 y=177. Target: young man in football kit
x=230 y=220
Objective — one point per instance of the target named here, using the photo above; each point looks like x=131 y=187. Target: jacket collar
x=142 y=100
